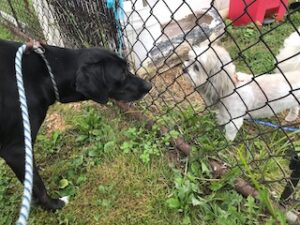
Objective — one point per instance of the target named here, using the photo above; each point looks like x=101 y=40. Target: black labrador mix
x=81 y=74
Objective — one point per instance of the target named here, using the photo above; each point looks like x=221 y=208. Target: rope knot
x=34 y=45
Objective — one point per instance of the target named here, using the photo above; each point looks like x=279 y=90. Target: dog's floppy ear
x=90 y=81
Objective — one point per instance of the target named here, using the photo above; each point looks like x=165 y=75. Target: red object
x=242 y=12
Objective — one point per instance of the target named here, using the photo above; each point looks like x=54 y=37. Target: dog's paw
x=291 y=117
x=65 y=199
x=293 y=114
x=52 y=204
x=55 y=204
x=230 y=136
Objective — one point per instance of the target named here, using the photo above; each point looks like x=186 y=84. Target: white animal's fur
x=291 y=48
x=236 y=96
x=221 y=4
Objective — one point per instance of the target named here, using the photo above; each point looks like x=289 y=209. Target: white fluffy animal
x=289 y=56
x=236 y=96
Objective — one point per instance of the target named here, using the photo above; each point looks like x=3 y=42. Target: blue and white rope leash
x=275 y=126
x=28 y=179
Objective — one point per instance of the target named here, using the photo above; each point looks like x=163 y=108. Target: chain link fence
x=158 y=37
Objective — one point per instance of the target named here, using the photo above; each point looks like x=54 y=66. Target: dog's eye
x=196 y=67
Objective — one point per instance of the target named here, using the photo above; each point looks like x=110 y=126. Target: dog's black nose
x=147 y=86
x=184 y=70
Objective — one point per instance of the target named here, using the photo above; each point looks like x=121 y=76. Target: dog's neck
x=64 y=72
x=217 y=87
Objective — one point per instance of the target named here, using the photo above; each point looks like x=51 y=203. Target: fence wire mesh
x=197 y=88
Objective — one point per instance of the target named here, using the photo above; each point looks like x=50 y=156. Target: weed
x=52 y=144
x=146 y=142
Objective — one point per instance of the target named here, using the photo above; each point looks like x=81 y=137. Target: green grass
x=118 y=172
x=107 y=184
x=257 y=47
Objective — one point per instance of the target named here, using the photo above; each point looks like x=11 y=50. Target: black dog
x=82 y=74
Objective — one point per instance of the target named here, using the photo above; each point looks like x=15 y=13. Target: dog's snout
x=185 y=66
x=147 y=86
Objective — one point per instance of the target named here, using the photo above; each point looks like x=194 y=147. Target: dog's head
x=205 y=62
x=103 y=75
x=210 y=70
x=197 y=68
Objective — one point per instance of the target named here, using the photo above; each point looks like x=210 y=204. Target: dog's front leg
x=14 y=156
x=232 y=128
x=222 y=117
x=293 y=114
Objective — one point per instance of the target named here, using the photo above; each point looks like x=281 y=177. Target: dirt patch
x=75 y=106
x=54 y=121
x=171 y=89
